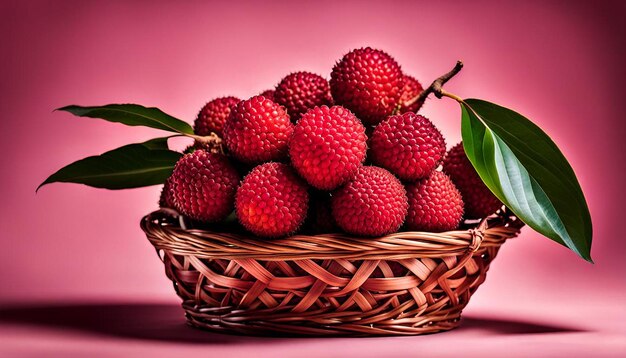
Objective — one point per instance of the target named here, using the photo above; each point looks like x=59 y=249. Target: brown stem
x=212 y=142
x=436 y=86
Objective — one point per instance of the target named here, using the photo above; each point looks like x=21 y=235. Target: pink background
x=559 y=63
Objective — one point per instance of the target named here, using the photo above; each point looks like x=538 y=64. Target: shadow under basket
x=406 y=283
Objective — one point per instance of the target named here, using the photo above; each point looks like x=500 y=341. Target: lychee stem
x=437 y=87
x=211 y=138
x=213 y=141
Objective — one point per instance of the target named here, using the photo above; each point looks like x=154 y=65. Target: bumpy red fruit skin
x=213 y=115
x=328 y=146
x=269 y=94
x=408 y=145
x=373 y=203
x=203 y=186
x=257 y=131
x=479 y=200
x=272 y=201
x=301 y=91
x=368 y=82
x=435 y=204
x=412 y=88
x=166 y=200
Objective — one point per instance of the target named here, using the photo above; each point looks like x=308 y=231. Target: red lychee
x=257 y=130
x=479 y=200
x=435 y=204
x=213 y=115
x=269 y=94
x=373 y=203
x=272 y=200
x=166 y=200
x=412 y=88
x=301 y=91
x=203 y=186
x=408 y=145
x=328 y=146
x=368 y=82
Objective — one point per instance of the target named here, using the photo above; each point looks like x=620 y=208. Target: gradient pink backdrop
x=559 y=63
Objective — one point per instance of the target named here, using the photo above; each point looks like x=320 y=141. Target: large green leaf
x=525 y=169
x=132 y=115
x=130 y=166
x=157 y=143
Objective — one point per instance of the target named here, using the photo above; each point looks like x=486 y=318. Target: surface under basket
x=405 y=283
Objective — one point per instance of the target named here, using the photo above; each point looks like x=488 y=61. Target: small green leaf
x=525 y=169
x=130 y=166
x=132 y=115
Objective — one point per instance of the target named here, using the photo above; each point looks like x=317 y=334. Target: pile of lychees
x=347 y=155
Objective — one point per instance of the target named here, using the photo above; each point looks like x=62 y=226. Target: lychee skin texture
x=368 y=82
x=479 y=200
x=328 y=146
x=258 y=130
x=412 y=88
x=408 y=145
x=166 y=200
x=272 y=201
x=301 y=91
x=213 y=115
x=203 y=185
x=373 y=203
x=435 y=204
x=269 y=94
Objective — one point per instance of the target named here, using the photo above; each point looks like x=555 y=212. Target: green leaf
x=132 y=115
x=157 y=143
x=130 y=166
x=525 y=169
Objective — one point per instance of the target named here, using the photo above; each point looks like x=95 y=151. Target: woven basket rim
x=164 y=231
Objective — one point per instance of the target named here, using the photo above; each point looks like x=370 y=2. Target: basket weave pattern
x=405 y=283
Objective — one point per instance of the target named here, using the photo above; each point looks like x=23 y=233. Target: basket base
x=227 y=320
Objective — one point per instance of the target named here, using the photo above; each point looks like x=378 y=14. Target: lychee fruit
x=213 y=115
x=166 y=200
x=373 y=203
x=203 y=186
x=479 y=200
x=369 y=82
x=301 y=91
x=272 y=201
x=408 y=145
x=192 y=148
x=257 y=131
x=328 y=146
x=435 y=204
x=412 y=88
x=269 y=94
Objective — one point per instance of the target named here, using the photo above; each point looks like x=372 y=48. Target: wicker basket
x=406 y=283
